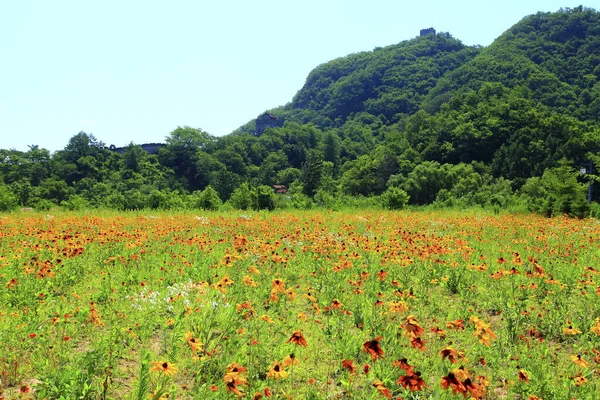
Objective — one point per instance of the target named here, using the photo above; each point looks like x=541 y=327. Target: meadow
x=302 y=305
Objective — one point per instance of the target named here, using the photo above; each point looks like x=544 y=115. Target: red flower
x=373 y=348
x=403 y=364
x=298 y=339
x=412 y=381
x=382 y=389
x=450 y=381
x=418 y=343
x=349 y=366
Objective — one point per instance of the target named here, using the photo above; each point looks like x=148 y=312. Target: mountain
x=444 y=122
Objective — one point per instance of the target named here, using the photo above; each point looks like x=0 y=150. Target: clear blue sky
x=133 y=70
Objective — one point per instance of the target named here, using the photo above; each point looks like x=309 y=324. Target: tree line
x=428 y=121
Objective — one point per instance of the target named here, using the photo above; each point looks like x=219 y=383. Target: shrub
x=395 y=198
x=8 y=200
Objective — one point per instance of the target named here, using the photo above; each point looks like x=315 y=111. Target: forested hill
x=427 y=120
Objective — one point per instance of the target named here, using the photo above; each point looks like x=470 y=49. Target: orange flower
x=234 y=376
x=476 y=390
x=297 y=339
x=412 y=381
x=373 y=348
x=450 y=353
x=523 y=375
x=403 y=364
x=452 y=382
x=382 y=389
x=458 y=324
x=580 y=380
x=290 y=360
x=571 y=331
x=349 y=366
x=381 y=275
x=194 y=343
x=278 y=285
x=417 y=343
x=166 y=368
x=276 y=371
x=579 y=361
x=335 y=303
x=249 y=281
x=412 y=327
x=596 y=327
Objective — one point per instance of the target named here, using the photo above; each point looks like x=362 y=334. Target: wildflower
x=476 y=390
x=290 y=360
x=297 y=339
x=168 y=369
x=24 y=389
x=522 y=375
x=267 y=319
x=440 y=332
x=366 y=369
x=249 y=281
x=231 y=387
x=458 y=324
x=596 y=327
x=335 y=303
x=403 y=364
x=450 y=353
x=254 y=270
x=278 y=285
x=483 y=331
x=580 y=380
x=349 y=366
x=579 y=361
x=194 y=343
x=382 y=389
x=452 y=382
x=276 y=371
x=570 y=330
x=417 y=343
x=291 y=294
x=412 y=381
x=412 y=327
x=234 y=377
x=373 y=348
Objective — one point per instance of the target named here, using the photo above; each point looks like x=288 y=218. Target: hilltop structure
x=266 y=121
x=428 y=31
x=151 y=148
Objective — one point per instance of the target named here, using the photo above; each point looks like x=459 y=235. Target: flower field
x=311 y=305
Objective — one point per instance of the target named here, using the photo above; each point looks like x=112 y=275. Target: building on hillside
x=280 y=189
x=151 y=148
x=428 y=31
x=266 y=121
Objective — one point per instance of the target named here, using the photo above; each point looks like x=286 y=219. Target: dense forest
x=425 y=121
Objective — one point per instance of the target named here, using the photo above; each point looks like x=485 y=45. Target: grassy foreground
x=310 y=305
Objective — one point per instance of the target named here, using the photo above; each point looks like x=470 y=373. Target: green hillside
x=427 y=120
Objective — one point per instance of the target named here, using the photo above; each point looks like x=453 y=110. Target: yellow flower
x=276 y=371
x=194 y=343
x=164 y=367
x=571 y=331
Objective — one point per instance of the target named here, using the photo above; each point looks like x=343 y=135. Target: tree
x=311 y=172
x=181 y=154
x=557 y=192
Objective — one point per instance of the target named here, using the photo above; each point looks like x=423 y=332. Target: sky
x=134 y=70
